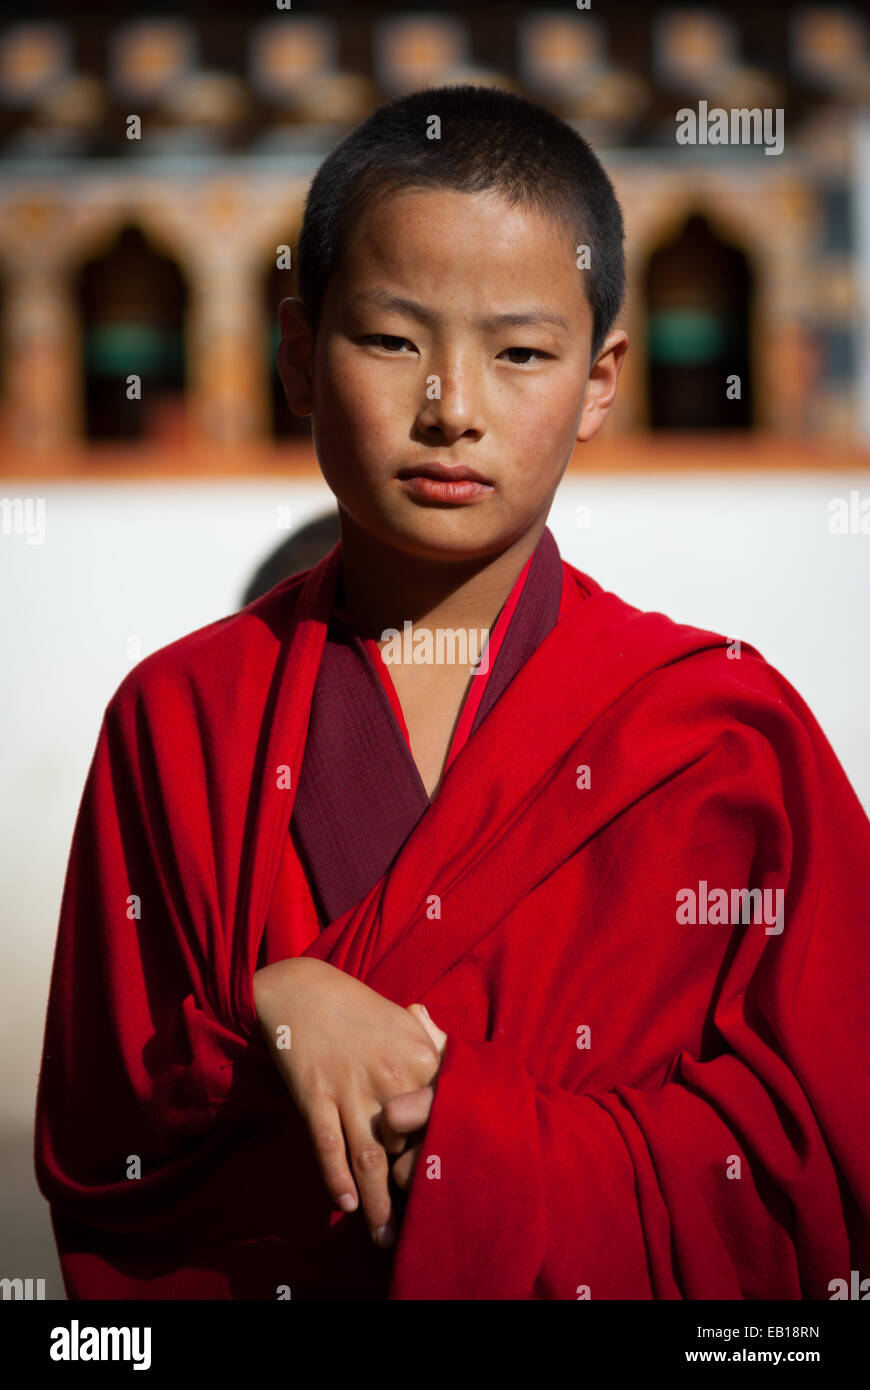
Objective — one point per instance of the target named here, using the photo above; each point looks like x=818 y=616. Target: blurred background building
x=154 y=161
x=152 y=170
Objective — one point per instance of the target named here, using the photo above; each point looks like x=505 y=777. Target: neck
x=382 y=587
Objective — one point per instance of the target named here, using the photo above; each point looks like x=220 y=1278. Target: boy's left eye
x=536 y=352
x=385 y=339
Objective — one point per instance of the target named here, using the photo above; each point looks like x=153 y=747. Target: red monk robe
x=629 y=1102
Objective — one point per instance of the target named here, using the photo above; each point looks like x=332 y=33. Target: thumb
x=438 y=1037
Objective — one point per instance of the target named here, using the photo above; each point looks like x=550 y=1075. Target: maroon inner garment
x=360 y=793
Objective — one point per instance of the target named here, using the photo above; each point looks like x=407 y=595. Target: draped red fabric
x=632 y=1104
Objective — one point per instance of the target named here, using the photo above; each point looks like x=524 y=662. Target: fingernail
x=347 y=1201
x=385 y=1236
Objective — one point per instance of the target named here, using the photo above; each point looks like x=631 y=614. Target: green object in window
x=119 y=349
x=690 y=337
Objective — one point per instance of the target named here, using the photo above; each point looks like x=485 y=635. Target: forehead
x=439 y=244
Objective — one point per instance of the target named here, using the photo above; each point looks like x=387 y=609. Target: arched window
x=698 y=294
x=132 y=301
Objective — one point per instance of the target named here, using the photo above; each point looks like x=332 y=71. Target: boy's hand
x=402 y=1117
x=406 y=1115
x=351 y=1051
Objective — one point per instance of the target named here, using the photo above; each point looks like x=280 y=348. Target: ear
x=601 y=385
x=295 y=355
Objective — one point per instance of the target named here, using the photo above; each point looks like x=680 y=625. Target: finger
x=327 y=1136
x=438 y=1036
x=372 y=1171
x=403 y=1168
x=393 y=1141
x=403 y=1114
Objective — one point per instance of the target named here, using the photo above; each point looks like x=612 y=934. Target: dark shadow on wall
x=27 y=1249
x=302 y=550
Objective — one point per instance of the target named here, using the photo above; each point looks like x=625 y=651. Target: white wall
x=750 y=557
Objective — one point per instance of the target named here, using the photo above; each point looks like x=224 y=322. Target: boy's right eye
x=382 y=339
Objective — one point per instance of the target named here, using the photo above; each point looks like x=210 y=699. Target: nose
x=452 y=406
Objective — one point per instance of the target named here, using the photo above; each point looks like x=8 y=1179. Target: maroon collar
x=360 y=793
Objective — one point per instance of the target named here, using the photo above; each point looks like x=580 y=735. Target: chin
x=438 y=535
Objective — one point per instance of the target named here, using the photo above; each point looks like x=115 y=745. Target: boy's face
x=389 y=391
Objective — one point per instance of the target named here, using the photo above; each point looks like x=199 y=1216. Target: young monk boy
x=390 y=970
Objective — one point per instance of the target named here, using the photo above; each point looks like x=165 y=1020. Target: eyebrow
x=431 y=319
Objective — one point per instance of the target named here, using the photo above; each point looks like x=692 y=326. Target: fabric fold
x=640 y=1095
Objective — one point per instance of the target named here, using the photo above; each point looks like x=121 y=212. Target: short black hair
x=490 y=140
